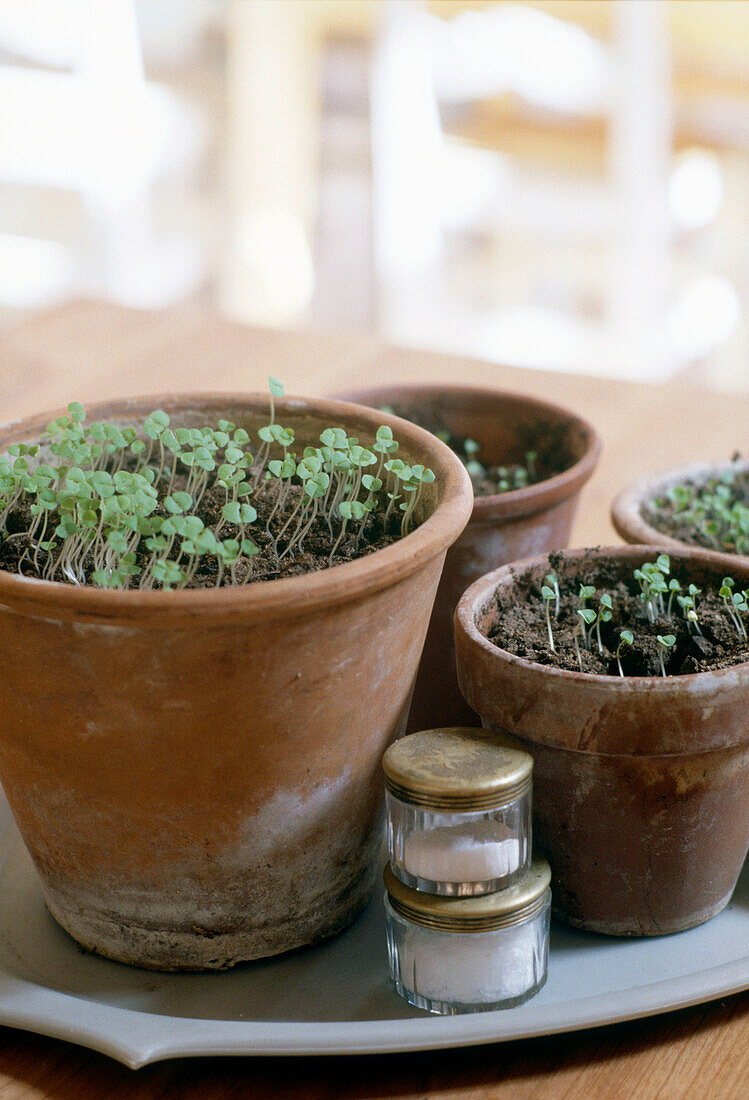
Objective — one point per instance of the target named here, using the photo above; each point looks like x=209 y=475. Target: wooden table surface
x=86 y=351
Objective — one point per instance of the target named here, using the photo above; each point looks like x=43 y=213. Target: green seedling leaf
x=231 y=512
x=351 y=509
x=173 y=506
x=117 y=541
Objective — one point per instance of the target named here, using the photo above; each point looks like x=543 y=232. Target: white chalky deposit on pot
x=289 y=813
x=257 y=875
x=474 y=852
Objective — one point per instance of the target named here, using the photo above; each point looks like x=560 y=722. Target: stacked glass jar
x=467 y=908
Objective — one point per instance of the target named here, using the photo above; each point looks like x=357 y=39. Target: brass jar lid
x=485 y=913
x=457 y=769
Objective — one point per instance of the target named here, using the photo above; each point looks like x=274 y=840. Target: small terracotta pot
x=197 y=773
x=502 y=528
x=629 y=510
x=641 y=784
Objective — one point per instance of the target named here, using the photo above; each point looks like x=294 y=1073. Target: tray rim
x=97 y=1026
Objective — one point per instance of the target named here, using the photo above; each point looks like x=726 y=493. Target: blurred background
x=560 y=185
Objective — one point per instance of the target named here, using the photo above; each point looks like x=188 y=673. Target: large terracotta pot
x=502 y=528
x=641 y=785
x=630 y=509
x=197 y=773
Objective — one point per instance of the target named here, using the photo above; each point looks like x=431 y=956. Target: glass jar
x=477 y=954
x=458 y=811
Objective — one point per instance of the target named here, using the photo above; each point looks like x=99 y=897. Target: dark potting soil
x=547 y=442
x=265 y=566
x=520 y=627
x=700 y=523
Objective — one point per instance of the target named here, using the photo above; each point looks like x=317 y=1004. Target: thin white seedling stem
x=577 y=644
x=338 y=541
x=548 y=626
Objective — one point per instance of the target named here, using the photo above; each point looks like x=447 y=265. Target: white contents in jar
x=472 y=852
x=473 y=968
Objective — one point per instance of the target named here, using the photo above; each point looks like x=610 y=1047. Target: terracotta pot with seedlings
x=195 y=709
x=704 y=506
x=528 y=462
x=641 y=781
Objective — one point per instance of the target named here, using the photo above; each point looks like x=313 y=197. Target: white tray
x=333 y=999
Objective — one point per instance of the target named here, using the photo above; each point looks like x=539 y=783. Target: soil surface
x=521 y=627
x=701 y=525
x=547 y=442
x=270 y=564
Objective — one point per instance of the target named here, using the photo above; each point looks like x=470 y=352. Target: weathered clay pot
x=502 y=528
x=197 y=774
x=629 y=510
x=641 y=785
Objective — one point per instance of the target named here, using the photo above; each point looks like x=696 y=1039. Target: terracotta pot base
x=609 y=928
x=609 y=820
x=168 y=950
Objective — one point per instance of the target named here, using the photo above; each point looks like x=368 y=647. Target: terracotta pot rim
x=481 y=590
x=533 y=498
x=627 y=509
x=294 y=595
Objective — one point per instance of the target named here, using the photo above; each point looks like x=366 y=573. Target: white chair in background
x=96 y=129
x=422 y=183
